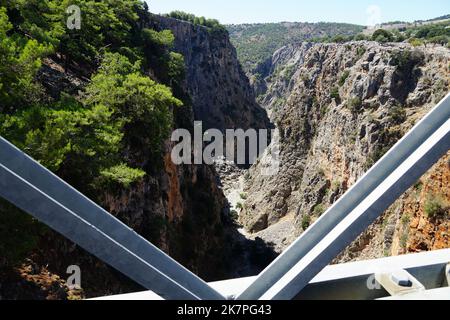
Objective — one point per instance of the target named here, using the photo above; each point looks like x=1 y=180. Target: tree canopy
x=212 y=24
x=90 y=139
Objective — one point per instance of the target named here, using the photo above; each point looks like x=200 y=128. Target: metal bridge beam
x=399 y=169
x=37 y=191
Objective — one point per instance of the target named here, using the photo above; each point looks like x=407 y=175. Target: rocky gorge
x=339 y=108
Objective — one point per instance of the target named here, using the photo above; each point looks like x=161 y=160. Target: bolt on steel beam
x=399 y=282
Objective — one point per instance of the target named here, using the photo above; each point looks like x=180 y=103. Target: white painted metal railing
x=348 y=281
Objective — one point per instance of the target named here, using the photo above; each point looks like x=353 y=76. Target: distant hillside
x=96 y=106
x=257 y=42
x=445 y=17
x=402 y=25
x=437 y=19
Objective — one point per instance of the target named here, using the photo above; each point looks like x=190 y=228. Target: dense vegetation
x=212 y=24
x=255 y=43
x=444 y=17
x=433 y=33
x=437 y=33
x=96 y=140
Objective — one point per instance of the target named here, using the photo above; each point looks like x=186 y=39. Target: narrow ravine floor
x=250 y=254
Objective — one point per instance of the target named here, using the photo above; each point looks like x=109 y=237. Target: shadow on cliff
x=248 y=257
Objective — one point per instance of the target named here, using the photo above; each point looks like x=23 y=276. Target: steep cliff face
x=220 y=91
x=418 y=221
x=181 y=209
x=339 y=108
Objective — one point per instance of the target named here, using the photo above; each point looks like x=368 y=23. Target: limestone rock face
x=220 y=91
x=339 y=108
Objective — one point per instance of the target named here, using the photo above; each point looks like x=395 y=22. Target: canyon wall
x=220 y=91
x=339 y=108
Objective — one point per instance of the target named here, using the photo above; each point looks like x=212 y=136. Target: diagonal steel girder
x=387 y=180
x=37 y=191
